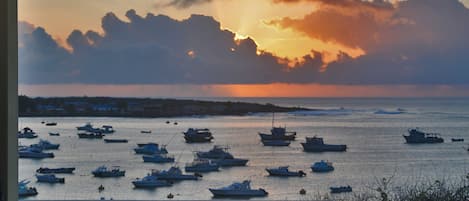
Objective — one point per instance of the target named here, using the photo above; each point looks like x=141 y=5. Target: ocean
x=372 y=129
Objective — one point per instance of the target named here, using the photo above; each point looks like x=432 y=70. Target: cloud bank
x=408 y=42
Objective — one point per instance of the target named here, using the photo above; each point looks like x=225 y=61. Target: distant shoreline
x=140 y=107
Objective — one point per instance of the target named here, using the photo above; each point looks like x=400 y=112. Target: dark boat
x=115 y=140
x=103 y=171
x=278 y=133
x=198 y=135
x=418 y=137
x=283 y=171
x=457 y=139
x=54 y=134
x=55 y=170
x=341 y=189
x=51 y=124
x=276 y=143
x=316 y=144
x=90 y=135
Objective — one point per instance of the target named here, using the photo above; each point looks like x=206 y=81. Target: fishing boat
x=34 y=153
x=49 y=178
x=417 y=136
x=116 y=140
x=27 y=133
x=173 y=173
x=322 y=166
x=275 y=143
x=238 y=189
x=150 y=181
x=54 y=134
x=316 y=144
x=150 y=149
x=24 y=190
x=201 y=165
x=341 y=189
x=283 y=171
x=103 y=171
x=55 y=170
x=158 y=158
x=90 y=135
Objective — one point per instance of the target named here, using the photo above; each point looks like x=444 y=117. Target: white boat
x=158 y=158
x=27 y=133
x=150 y=149
x=31 y=152
x=238 y=190
x=106 y=129
x=174 y=173
x=150 y=181
x=103 y=171
x=322 y=166
x=201 y=165
x=284 y=172
x=49 y=178
x=24 y=190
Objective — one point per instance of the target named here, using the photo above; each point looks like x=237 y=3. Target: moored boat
x=88 y=127
x=276 y=143
x=150 y=149
x=322 y=166
x=54 y=134
x=173 y=173
x=90 y=135
x=49 y=178
x=341 y=189
x=316 y=144
x=51 y=124
x=198 y=135
x=229 y=162
x=150 y=181
x=457 y=139
x=55 y=170
x=216 y=152
x=44 y=144
x=238 y=189
x=103 y=171
x=158 y=158
x=24 y=190
x=26 y=132
x=106 y=129
x=201 y=165
x=283 y=171
x=34 y=153
x=116 y=140
x=417 y=136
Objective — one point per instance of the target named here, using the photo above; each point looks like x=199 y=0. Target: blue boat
x=31 y=152
x=341 y=189
x=158 y=158
x=55 y=170
x=27 y=133
x=201 y=165
x=150 y=181
x=173 y=173
x=49 y=178
x=276 y=143
x=44 y=144
x=102 y=171
x=24 y=190
x=322 y=166
x=151 y=149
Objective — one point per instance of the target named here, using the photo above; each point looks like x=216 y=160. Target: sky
x=243 y=48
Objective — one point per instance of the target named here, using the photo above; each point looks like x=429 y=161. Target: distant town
x=138 y=107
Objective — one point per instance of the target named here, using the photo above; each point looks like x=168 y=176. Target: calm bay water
x=376 y=149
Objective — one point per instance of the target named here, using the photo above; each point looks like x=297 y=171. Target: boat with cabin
x=45 y=145
x=49 y=178
x=27 y=132
x=322 y=166
x=201 y=165
x=24 y=190
x=278 y=133
x=150 y=181
x=55 y=170
x=216 y=152
x=417 y=136
x=103 y=171
x=238 y=189
x=316 y=144
x=36 y=153
x=198 y=135
x=150 y=149
x=88 y=127
x=283 y=171
x=93 y=135
x=106 y=129
x=173 y=173
x=158 y=158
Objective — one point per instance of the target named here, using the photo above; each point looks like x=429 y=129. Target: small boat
x=51 y=124
x=49 y=178
x=173 y=173
x=170 y=196
x=88 y=127
x=106 y=129
x=215 y=153
x=90 y=135
x=24 y=190
x=237 y=189
x=147 y=132
x=102 y=171
x=175 y=123
x=116 y=140
x=27 y=133
x=167 y=122
x=341 y=189
x=101 y=188
x=284 y=172
x=275 y=143
x=418 y=137
x=322 y=166
x=316 y=144
x=198 y=135
x=34 y=153
x=158 y=158
x=150 y=181
x=229 y=162
x=54 y=134
x=201 y=165
x=150 y=149
x=457 y=139
x=44 y=144
x=55 y=170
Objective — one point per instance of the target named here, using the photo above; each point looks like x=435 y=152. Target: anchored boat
x=283 y=171
x=417 y=136
x=316 y=144
x=238 y=189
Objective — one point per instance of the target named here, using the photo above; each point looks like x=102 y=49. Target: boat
x=51 y=124
x=418 y=137
x=158 y=158
x=45 y=145
x=150 y=149
x=148 y=131
x=150 y=181
x=457 y=139
x=143 y=144
x=201 y=165
x=103 y=171
x=116 y=140
x=341 y=189
x=106 y=129
x=276 y=143
x=90 y=135
x=88 y=127
x=54 y=134
x=284 y=172
x=24 y=190
x=316 y=144
x=34 y=153
x=215 y=153
x=27 y=133
x=238 y=189
x=173 y=173
x=55 y=170
x=229 y=162
x=322 y=166
x=278 y=133
x=49 y=178
x=198 y=135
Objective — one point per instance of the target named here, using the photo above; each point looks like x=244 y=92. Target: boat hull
x=230 y=162
x=35 y=155
x=285 y=174
x=427 y=140
x=176 y=178
x=315 y=169
x=116 y=140
x=150 y=159
x=197 y=139
x=87 y=136
x=211 y=168
x=162 y=183
x=231 y=193
x=276 y=143
x=109 y=174
x=55 y=170
x=57 y=180
x=277 y=137
x=323 y=148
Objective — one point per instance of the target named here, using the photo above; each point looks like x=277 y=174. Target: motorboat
x=55 y=170
x=143 y=144
x=457 y=139
x=49 y=178
x=151 y=149
x=229 y=162
x=198 y=135
x=215 y=153
x=116 y=140
x=103 y=171
x=51 y=124
x=54 y=134
x=316 y=144
x=34 y=153
x=158 y=158
x=238 y=189
x=27 y=133
x=173 y=173
x=201 y=165
x=106 y=129
x=93 y=135
x=45 y=145
x=276 y=143
x=322 y=166
x=150 y=181
x=24 y=190
x=341 y=189
x=88 y=127
x=283 y=171
x=417 y=136
x=147 y=132
x=278 y=133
